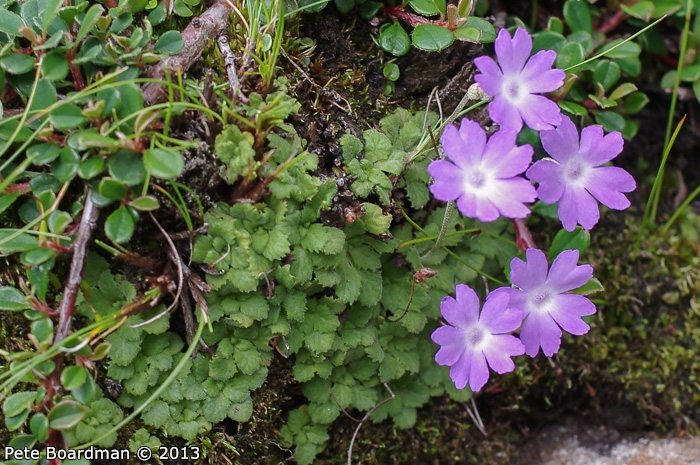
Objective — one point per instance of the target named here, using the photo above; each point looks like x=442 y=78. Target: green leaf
x=165 y=164
x=145 y=203
x=578 y=239
x=37 y=256
x=55 y=66
x=428 y=7
x=89 y=21
x=241 y=411
x=623 y=90
x=432 y=38
x=375 y=221
x=120 y=225
x=394 y=39
x=12 y=299
x=610 y=121
x=606 y=73
x=41 y=154
x=18 y=402
x=73 y=377
x=643 y=10
x=17 y=63
x=59 y=221
x=169 y=43
x=573 y=108
x=69 y=116
x=112 y=189
x=85 y=393
x=323 y=239
x=66 y=165
x=476 y=30
x=391 y=71
x=16 y=422
x=570 y=54
x=10 y=22
x=127 y=167
x=578 y=16
x=39 y=426
x=348 y=289
x=591 y=287
x=635 y=101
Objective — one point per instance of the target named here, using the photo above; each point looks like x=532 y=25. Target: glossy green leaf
x=66 y=414
x=112 y=189
x=59 y=221
x=610 y=121
x=42 y=329
x=39 y=426
x=476 y=30
x=49 y=14
x=127 y=167
x=91 y=167
x=39 y=279
x=591 y=287
x=91 y=139
x=428 y=7
x=66 y=116
x=41 y=154
x=36 y=256
x=89 y=21
x=18 y=243
x=622 y=91
x=578 y=239
x=606 y=73
x=391 y=71
x=145 y=203
x=570 y=54
x=432 y=38
x=73 y=377
x=12 y=299
x=394 y=39
x=547 y=40
x=578 y=16
x=54 y=66
x=85 y=393
x=169 y=43
x=10 y=22
x=18 y=402
x=66 y=165
x=643 y=10
x=119 y=226
x=17 y=63
x=14 y=423
x=165 y=164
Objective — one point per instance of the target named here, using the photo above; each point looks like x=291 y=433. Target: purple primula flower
x=472 y=340
x=515 y=81
x=542 y=299
x=483 y=176
x=574 y=175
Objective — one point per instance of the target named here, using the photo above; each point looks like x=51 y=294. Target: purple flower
x=473 y=339
x=515 y=81
x=483 y=176
x=575 y=176
x=542 y=299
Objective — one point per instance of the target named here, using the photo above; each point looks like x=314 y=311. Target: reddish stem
x=396 y=12
x=612 y=22
x=523 y=238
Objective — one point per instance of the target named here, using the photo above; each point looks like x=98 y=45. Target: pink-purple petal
x=565 y=276
x=459 y=372
x=569 y=310
x=513 y=53
x=577 y=206
x=496 y=316
x=499 y=353
x=447 y=185
x=504 y=157
x=598 y=149
x=505 y=114
x=607 y=184
x=561 y=143
x=486 y=211
x=479 y=372
x=538 y=112
x=512 y=196
x=467 y=204
x=491 y=78
x=538 y=75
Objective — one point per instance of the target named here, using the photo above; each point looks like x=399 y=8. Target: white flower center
x=476 y=178
x=474 y=336
x=541 y=301
x=576 y=172
x=512 y=90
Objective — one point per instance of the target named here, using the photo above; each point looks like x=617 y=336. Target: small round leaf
x=16 y=403
x=432 y=38
x=120 y=225
x=164 y=164
x=39 y=426
x=91 y=167
x=66 y=414
x=17 y=63
x=112 y=189
x=169 y=43
x=394 y=39
x=145 y=203
x=127 y=167
x=73 y=377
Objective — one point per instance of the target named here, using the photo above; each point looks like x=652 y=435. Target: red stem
x=523 y=238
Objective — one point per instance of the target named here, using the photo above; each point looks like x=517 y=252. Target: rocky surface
x=568 y=445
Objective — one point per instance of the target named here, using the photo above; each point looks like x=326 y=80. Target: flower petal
x=479 y=372
x=598 y=149
x=497 y=316
x=513 y=53
x=500 y=350
x=451 y=341
x=505 y=158
x=467 y=204
x=538 y=75
x=569 y=309
x=606 y=184
x=486 y=211
x=540 y=330
x=459 y=372
x=461 y=312
x=491 y=77
x=538 y=112
x=577 y=206
x=510 y=195
x=549 y=176
x=565 y=275
x=448 y=180
x=505 y=114
x=561 y=143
